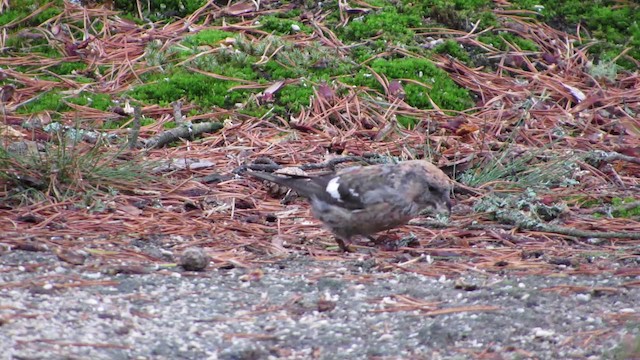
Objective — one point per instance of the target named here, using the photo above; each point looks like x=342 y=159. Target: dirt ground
x=302 y=307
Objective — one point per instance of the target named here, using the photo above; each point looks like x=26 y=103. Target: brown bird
x=366 y=200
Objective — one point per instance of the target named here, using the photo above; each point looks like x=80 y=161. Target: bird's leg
x=344 y=246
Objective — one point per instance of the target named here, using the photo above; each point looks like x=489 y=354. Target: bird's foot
x=344 y=246
x=409 y=241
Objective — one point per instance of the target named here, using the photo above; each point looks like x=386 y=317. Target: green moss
x=21 y=9
x=228 y=63
x=22 y=44
x=198 y=88
x=605 y=20
x=460 y=4
x=407 y=121
x=504 y=40
x=488 y=19
x=241 y=61
x=633 y=212
x=95 y=101
x=361 y=54
x=292 y=61
x=444 y=92
x=588 y=202
x=67 y=68
x=452 y=14
x=282 y=26
x=301 y=63
x=207 y=37
x=293 y=97
x=117 y=124
x=170 y=125
x=387 y=22
x=54 y=101
x=279 y=71
x=49 y=101
x=158 y=10
x=452 y=48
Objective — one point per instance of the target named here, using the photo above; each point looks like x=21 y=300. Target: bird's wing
x=325 y=187
x=385 y=208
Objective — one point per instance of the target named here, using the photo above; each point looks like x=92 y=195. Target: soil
x=305 y=308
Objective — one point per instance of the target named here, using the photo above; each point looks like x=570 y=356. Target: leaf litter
x=537 y=106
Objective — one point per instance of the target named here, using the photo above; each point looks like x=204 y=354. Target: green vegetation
x=388 y=23
x=454 y=49
x=67 y=167
x=269 y=59
x=282 y=26
x=95 y=101
x=207 y=37
x=448 y=96
x=390 y=40
x=616 y=207
x=67 y=68
x=53 y=101
x=618 y=26
x=272 y=58
x=293 y=97
x=159 y=10
x=508 y=41
x=21 y=9
x=626 y=213
x=195 y=87
x=524 y=170
x=49 y=101
x=198 y=88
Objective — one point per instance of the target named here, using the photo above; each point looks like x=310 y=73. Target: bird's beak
x=443 y=207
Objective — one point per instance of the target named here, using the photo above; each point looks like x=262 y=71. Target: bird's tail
x=299 y=183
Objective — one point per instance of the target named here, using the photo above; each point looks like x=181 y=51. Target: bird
x=364 y=200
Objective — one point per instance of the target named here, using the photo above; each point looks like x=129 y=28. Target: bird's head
x=433 y=187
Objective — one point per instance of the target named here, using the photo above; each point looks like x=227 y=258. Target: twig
x=259 y=164
x=331 y=164
x=435 y=224
x=177 y=112
x=611 y=156
x=587 y=234
x=509 y=222
x=186 y=131
x=531 y=224
x=135 y=127
x=266 y=164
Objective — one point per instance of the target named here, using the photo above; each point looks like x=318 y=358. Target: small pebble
x=194 y=259
x=583 y=297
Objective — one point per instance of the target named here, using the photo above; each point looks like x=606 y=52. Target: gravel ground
x=300 y=308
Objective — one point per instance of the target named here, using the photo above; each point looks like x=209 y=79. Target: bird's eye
x=431 y=188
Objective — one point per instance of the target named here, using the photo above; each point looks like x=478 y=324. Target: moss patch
x=439 y=87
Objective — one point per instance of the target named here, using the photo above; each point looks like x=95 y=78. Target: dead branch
x=135 y=127
x=187 y=131
x=266 y=164
x=611 y=156
x=177 y=112
x=528 y=223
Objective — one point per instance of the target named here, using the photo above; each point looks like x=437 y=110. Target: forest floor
x=124 y=144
